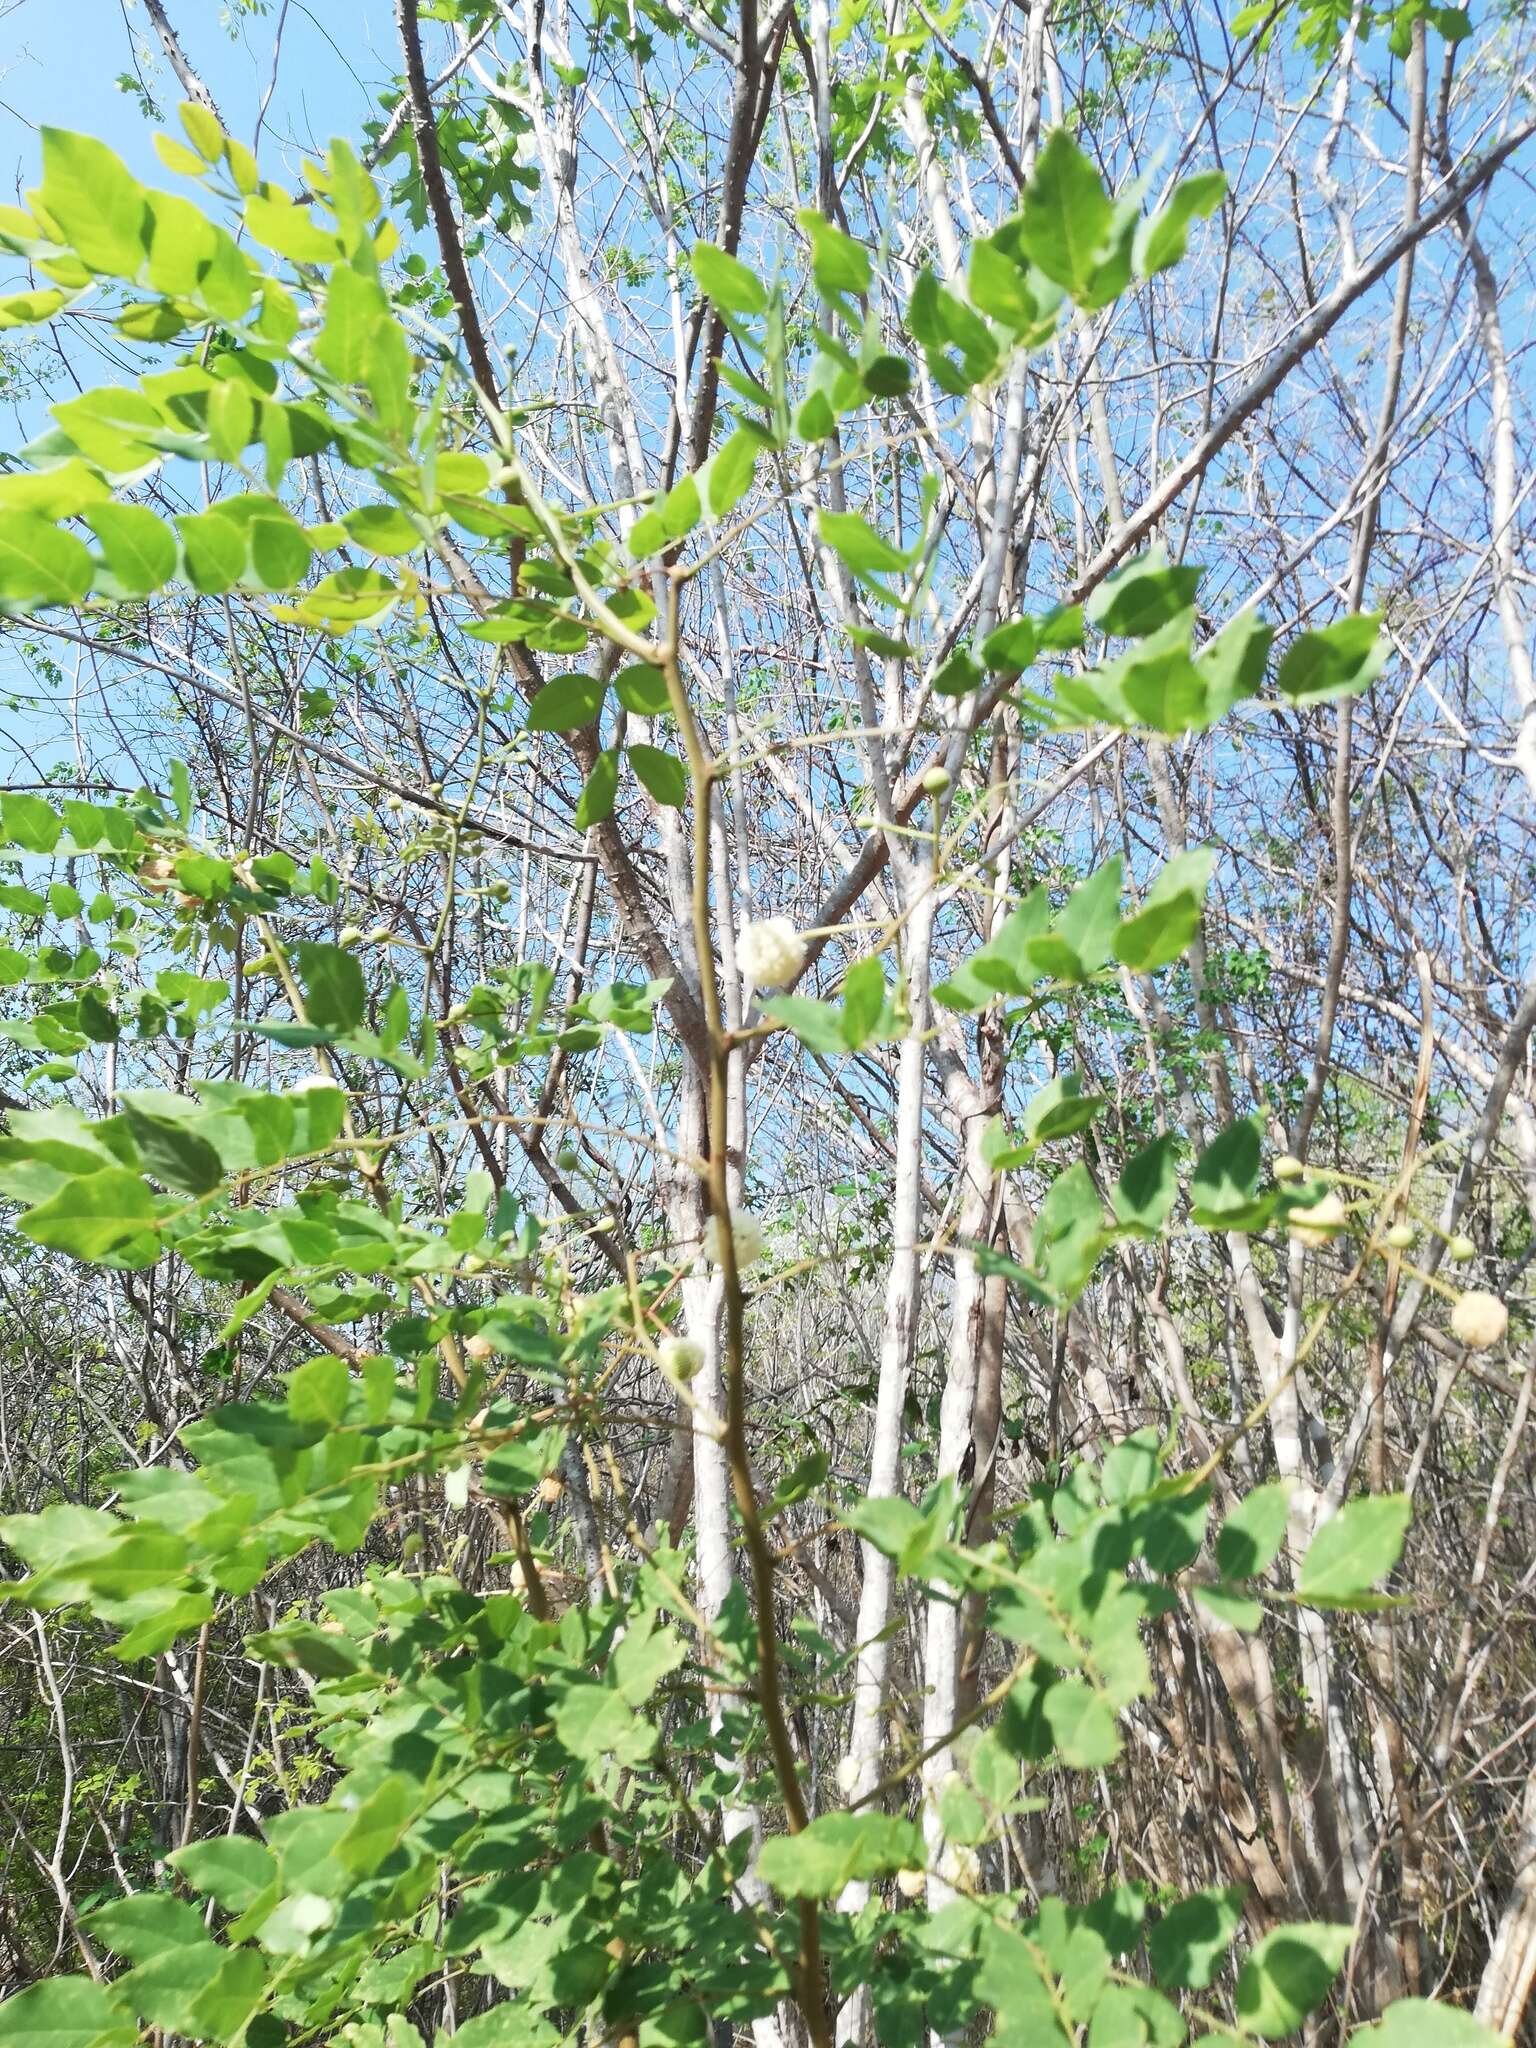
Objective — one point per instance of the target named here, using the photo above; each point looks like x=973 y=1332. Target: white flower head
x=770 y=952
x=1479 y=1320
x=680 y=1358
x=1316 y=1226
x=911 y=1883
x=479 y=1348
x=746 y=1234
x=848 y=1776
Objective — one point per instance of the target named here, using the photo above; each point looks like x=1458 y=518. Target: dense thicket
x=764 y=1015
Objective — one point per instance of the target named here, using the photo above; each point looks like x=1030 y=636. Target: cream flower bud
x=1479 y=1320
x=1288 y=1167
x=746 y=1233
x=936 y=780
x=1460 y=1250
x=1314 y=1227
x=680 y=1358
x=479 y=1348
x=911 y=1883
x=1401 y=1236
x=848 y=1776
x=770 y=952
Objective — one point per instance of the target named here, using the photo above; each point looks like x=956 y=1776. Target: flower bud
x=1314 y=1227
x=1400 y=1236
x=349 y=935
x=551 y=1486
x=479 y=1348
x=680 y=1358
x=770 y=952
x=1288 y=1167
x=911 y=1883
x=937 y=780
x=1479 y=1320
x=1460 y=1250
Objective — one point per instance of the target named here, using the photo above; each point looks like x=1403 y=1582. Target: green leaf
x=1059 y=1109
x=1354 y=1549
x=232 y=1869
x=663 y=774
x=864 y=1001
x=864 y=550
x=1149 y=1185
x=1066 y=214
x=1226 y=1175
x=1288 y=1976
x=65 y=2012
x=216 y=551
x=729 y=283
x=837 y=1848
x=567 y=702
x=99 y=205
x=1082 y=932
x=103 y=1218
x=594 y=1721
x=1236 y=1608
x=26 y=821
x=383 y=530
x=1069 y=1233
x=378 y=1825
x=1142 y=596
x=171 y=1152
x=40 y=564
x=1169 y=917
x=1083 y=1723
x=319 y=1391
x=146 y=1924
x=818 y=1026
x=602 y=786
x=1009 y=650
x=728 y=473
x=335 y=996
x=1419 y=2023
x=1187 y=1944
x=140 y=549
x=643 y=689
x=1336 y=661
x=1163 y=237
x=1251 y=1535
x=838 y=263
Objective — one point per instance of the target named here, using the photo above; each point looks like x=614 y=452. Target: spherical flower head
x=680 y=1358
x=1479 y=1320
x=1460 y=1250
x=936 y=780
x=1314 y=1227
x=770 y=952
x=746 y=1232
x=848 y=1776
x=911 y=1883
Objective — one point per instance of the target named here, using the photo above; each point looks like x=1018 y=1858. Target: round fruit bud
x=1479 y=1320
x=1288 y=1167
x=680 y=1358
x=393 y=802
x=911 y=1883
x=770 y=952
x=349 y=935
x=937 y=780
x=381 y=935
x=868 y=821
x=457 y=1013
x=1314 y=1227
x=1460 y=1250
x=1400 y=1236
x=746 y=1234
x=567 y=1159
x=551 y=1486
